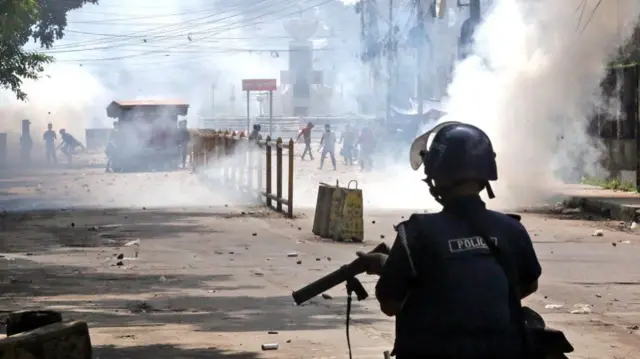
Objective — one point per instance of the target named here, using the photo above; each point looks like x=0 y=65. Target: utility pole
x=420 y=56
x=636 y=95
x=390 y=61
x=214 y=85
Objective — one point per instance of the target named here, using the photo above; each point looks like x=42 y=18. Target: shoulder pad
x=412 y=217
x=403 y=223
x=517 y=217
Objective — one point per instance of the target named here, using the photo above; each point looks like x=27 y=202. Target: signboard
x=259 y=85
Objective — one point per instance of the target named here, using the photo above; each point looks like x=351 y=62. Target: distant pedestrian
x=367 y=146
x=328 y=143
x=348 y=140
x=50 y=138
x=306 y=135
x=183 y=145
x=69 y=144
x=253 y=136
x=112 y=145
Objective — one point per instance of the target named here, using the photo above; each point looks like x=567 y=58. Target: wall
x=620 y=157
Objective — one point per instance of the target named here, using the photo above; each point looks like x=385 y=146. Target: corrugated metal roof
x=131 y=103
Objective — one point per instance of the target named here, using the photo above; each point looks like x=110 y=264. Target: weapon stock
x=336 y=277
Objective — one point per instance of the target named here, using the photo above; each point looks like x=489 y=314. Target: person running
x=306 y=134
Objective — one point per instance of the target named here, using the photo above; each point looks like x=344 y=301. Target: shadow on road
x=211 y=303
x=162 y=351
x=37 y=232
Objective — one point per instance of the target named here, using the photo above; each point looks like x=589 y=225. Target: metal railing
x=246 y=164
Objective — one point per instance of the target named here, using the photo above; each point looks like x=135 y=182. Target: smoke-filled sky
x=178 y=49
x=184 y=48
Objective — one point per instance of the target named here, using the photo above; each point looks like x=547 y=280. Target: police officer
x=448 y=289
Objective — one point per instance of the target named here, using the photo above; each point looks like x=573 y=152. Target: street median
x=247 y=165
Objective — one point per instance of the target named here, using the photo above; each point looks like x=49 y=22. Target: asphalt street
x=213 y=278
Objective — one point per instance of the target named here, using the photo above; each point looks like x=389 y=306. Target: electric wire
x=184 y=26
x=225 y=29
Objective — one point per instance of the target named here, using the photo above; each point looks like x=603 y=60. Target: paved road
x=213 y=281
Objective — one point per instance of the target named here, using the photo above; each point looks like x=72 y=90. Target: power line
x=209 y=36
x=186 y=25
x=146 y=17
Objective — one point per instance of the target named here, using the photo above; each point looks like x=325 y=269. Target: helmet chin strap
x=437 y=192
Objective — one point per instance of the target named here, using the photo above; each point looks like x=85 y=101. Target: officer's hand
x=373 y=262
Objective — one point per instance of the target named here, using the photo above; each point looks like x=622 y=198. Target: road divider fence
x=246 y=165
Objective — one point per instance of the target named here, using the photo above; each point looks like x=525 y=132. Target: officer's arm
x=397 y=274
x=529 y=269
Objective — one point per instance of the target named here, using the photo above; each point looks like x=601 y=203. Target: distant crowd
x=357 y=147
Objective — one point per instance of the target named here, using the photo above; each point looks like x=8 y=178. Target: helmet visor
x=420 y=145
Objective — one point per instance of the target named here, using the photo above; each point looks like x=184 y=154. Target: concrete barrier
x=54 y=341
x=339 y=213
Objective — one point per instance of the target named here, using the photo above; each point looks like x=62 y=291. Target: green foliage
x=613 y=184
x=43 y=21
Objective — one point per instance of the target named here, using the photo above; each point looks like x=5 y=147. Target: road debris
x=553 y=306
x=142 y=307
x=598 y=233
x=326 y=296
x=581 y=309
x=270 y=346
x=292 y=254
x=135 y=245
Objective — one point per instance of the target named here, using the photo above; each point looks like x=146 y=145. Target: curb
x=609 y=209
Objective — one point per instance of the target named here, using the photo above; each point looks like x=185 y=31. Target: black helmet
x=457 y=152
x=257 y=127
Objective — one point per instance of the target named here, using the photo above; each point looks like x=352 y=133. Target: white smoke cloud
x=533 y=87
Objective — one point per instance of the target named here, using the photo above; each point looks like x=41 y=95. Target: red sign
x=260 y=85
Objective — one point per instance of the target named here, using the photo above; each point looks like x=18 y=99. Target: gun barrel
x=327 y=282
x=334 y=278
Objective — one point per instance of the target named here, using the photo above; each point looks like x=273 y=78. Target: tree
x=42 y=21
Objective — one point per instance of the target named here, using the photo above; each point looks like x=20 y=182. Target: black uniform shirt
x=457 y=303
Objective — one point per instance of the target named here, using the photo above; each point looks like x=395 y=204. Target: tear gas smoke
x=197 y=51
x=533 y=86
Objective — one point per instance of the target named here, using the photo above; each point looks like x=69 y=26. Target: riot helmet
x=452 y=153
x=256 y=127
